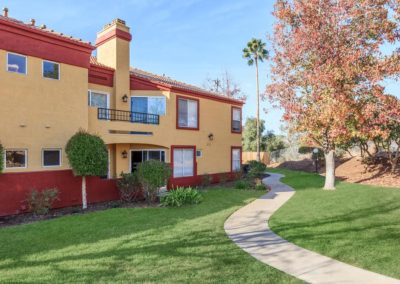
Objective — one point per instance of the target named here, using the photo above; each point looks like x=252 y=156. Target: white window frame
x=59 y=70
x=240 y=160
x=145 y=150
x=240 y=119
x=90 y=91
x=197 y=116
x=15 y=150
x=163 y=97
x=193 y=162
x=52 y=149
x=26 y=63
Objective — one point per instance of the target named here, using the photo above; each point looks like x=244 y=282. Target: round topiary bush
x=87 y=155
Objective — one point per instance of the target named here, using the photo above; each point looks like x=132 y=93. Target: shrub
x=181 y=196
x=305 y=149
x=152 y=175
x=87 y=155
x=129 y=187
x=1 y=158
x=241 y=184
x=256 y=169
x=260 y=187
x=206 y=180
x=40 y=202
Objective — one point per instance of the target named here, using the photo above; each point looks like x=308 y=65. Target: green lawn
x=356 y=224
x=128 y=245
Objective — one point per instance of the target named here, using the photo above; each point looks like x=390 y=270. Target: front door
x=136 y=159
x=138 y=156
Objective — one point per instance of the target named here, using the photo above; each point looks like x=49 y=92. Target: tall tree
x=250 y=135
x=327 y=60
x=226 y=85
x=255 y=53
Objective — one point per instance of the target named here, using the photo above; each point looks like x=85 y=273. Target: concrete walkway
x=248 y=228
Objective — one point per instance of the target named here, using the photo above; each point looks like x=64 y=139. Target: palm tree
x=255 y=52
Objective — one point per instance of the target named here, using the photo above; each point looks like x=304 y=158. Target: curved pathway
x=248 y=228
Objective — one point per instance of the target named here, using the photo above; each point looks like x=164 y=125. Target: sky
x=188 y=40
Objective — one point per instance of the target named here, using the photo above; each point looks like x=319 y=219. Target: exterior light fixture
x=124 y=154
x=125 y=98
x=315 y=152
x=211 y=137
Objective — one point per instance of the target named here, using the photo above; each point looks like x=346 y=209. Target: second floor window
x=51 y=70
x=151 y=105
x=188 y=115
x=236 y=120
x=16 y=63
x=97 y=99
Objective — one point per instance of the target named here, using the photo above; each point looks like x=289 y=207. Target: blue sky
x=186 y=40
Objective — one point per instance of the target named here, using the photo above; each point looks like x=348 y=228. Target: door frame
x=141 y=150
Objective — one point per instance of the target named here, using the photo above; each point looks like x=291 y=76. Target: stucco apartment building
x=52 y=86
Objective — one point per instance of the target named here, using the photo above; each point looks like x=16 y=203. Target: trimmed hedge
x=87 y=154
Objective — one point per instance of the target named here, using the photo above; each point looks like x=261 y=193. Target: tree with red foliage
x=327 y=62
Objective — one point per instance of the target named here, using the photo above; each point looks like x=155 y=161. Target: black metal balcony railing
x=123 y=115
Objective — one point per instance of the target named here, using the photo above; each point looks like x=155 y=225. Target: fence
x=249 y=156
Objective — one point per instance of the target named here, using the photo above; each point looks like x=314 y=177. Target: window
x=139 y=156
x=51 y=70
x=236 y=120
x=51 y=157
x=16 y=63
x=151 y=105
x=236 y=159
x=98 y=99
x=184 y=161
x=16 y=159
x=187 y=113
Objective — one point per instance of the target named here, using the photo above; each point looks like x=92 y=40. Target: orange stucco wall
x=39 y=113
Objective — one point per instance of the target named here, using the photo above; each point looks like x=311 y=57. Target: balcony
x=128 y=116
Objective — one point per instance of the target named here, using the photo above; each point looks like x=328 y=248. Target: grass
x=131 y=245
x=356 y=224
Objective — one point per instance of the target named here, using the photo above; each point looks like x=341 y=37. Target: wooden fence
x=248 y=156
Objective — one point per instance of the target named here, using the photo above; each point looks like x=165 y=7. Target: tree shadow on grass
x=140 y=238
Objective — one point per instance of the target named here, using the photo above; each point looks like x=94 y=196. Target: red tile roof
x=93 y=61
x=45 y=31
x=165 y=80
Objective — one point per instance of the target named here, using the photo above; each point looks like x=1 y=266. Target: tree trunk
x=84 y=199
x=258 y=113
x=329 y=170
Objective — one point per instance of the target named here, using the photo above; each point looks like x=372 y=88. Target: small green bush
x=181 y=196
x=40 y=202
x=256 y=169
x=241 y=184
x=260 y=187
x=129 y=187
x=1 y=158
x=152 y=175
x=206 y=180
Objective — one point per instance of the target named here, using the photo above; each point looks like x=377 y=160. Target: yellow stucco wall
x=215 y=118
x=39 y=113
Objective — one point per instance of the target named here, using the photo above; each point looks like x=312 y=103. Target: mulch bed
x=75 y=210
